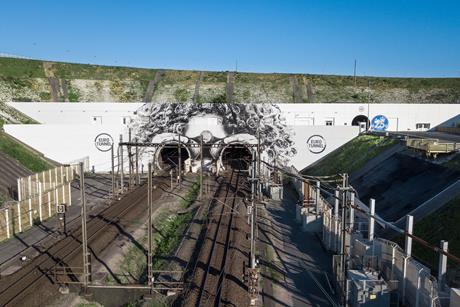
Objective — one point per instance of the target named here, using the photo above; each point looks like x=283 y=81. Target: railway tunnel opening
x=362 y=121
x=169 y=156
x=237 y=157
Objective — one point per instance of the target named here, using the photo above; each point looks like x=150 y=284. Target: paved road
x=293 y=262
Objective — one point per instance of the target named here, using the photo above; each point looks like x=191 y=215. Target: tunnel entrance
x=237 y=157
x=361 y=120
x=169 y=156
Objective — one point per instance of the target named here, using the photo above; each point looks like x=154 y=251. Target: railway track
x=101 y=227
x=71 y=223
x=215 y=256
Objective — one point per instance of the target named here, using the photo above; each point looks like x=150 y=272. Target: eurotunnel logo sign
x=316 y=144
x=103 y=142
x=379 y=123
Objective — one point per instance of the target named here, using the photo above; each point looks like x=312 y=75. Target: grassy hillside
x=24 y=156
x=351 y=156
x=33 y=80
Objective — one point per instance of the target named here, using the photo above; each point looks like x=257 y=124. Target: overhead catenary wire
x=325 y=188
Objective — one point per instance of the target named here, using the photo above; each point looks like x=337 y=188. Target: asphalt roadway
x=296 y=270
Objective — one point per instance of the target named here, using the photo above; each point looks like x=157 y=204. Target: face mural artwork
x=220 y=125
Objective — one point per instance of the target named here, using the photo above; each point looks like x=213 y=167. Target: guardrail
x=432 y=146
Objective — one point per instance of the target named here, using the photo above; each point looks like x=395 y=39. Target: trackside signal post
x=201 y=167
x=61 y=210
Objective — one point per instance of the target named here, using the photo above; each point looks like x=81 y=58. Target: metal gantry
x=255 y=191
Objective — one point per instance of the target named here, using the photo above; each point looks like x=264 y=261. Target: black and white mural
x=220 y=125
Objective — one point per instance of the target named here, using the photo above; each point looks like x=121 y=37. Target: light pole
x=201 y=167
x=149 y=228
x=180 y=162
x=368 y=104
x=84 y=235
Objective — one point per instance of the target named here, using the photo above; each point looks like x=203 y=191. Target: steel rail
x=223 y=272
x=54 y=258
x=213 y=245
x=195 y=266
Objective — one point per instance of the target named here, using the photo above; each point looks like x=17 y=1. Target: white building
x=68 y=130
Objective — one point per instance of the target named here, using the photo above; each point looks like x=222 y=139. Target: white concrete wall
x=77 y=113
x=402 y=117
x=69 y=129
x=67 y=143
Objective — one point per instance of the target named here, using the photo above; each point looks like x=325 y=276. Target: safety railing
x=409 y=281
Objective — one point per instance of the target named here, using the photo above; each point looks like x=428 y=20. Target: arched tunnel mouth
x=169 y=156
x=237 y=157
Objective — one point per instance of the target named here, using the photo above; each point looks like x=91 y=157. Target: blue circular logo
x=379 y=123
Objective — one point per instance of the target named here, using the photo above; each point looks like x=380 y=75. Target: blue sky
x=386 y=37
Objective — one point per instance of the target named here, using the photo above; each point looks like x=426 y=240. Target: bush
x=181 y=95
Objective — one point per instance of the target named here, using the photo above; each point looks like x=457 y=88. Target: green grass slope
x=23 y=155
x=351 y=156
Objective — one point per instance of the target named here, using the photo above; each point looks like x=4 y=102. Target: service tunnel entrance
x=237 y=157
x=169 y=156
x=361 y=121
